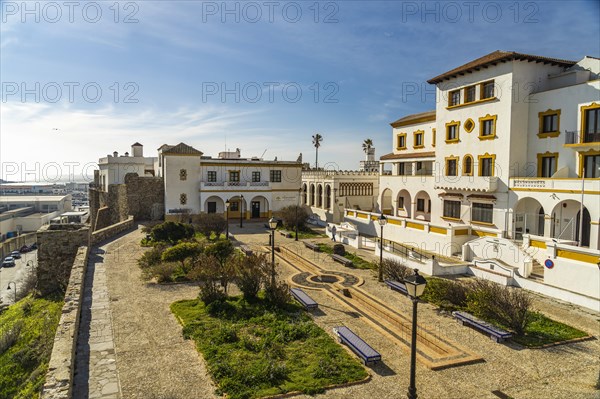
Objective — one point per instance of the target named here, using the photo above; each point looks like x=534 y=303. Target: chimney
x=126 y=154
x=137 y=150
x=115 y=154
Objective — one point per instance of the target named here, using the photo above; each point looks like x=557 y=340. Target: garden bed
x=253 y=350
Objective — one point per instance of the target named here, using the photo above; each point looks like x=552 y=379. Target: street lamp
x=8 y=288
x=296 y=218
x=241 y=211
x=227 y=219
x=272 y=226
x=415 y=286
x=382 y=222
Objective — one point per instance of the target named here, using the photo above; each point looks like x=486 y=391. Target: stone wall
x=111 y=231
x=145 y=197
x=141 y=197
x=59 y=378
x=57 y=248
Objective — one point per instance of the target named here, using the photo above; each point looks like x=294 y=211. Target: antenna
x=263 y=154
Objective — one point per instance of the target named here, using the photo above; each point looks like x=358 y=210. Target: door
x=212 y=207
x=255 y=209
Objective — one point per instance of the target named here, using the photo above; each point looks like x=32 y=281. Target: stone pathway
x=96 y=369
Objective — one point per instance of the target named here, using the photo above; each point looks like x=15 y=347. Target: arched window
x=468 y=165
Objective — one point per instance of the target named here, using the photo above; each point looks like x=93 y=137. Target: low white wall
x=572 y=275
x=558 y=293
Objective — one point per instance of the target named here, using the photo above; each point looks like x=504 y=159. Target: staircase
x=537 y=272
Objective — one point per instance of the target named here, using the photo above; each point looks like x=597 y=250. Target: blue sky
x=162 y=67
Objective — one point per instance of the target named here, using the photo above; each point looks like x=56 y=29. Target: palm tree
x=316 y=140
x=367 y=145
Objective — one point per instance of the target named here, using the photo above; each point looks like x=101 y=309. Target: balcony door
x=255 y=209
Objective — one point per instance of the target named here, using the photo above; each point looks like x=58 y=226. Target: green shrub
x=447 y=294
x=339 y=249
x=209 y=224
x=172 y=232
x=395 y=270
x=251 y=273
x=181 y=252
x=278 y=294
x=10 y=336
x=152 y=257
x=293 y=215
x=163 y=272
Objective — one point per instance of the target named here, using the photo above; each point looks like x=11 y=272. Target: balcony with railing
x=583 y=141
x=563 y=185
x=232 y=185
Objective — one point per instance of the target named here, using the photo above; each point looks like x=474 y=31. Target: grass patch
x=305 y=233
x=357 y=261
x=542 y=330
x=253 y=351
x=27 y=332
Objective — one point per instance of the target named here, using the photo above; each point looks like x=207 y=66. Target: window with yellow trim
x=486 y=164
x=487 y=127
x=418 y=139
x=454 y=98
x=590 y=165
x=401 y=141
x=482 y=212
x=547 y=164
x=433 y=140
x=452 y=209
x=549 y=123
x=452 y=166
x=486 y=90
x=469 y=94
x=452 y=132
x=590 y=123
x=467 y=168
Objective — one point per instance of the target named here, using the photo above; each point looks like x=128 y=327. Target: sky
x=80 y=80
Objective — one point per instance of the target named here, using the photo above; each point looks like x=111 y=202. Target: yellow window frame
x=447 y=160
x=468 y=156
x=483 y=119
x=480 y=158
x=541 y=134
x=540 y=157
x=583 y=121
x=398 y=136
x=417 y=133
x=454 y=140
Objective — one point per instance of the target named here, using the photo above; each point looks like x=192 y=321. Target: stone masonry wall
x=145 y=197
x=59 y=378
x=57 y=248
x=111 y=231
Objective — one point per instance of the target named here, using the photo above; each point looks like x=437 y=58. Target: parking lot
x=17 y=275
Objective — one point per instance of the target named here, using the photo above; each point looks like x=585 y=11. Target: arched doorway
x=585 y=231
x=386 y=202
x=422 y=206
x=259 y=207
x=404 y=204
x=565 y=221
x=529 y=218
x=304 y=194
x=312 y=195
x=214 y=204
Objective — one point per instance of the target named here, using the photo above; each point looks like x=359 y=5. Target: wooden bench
x=358 y=346
x=344 y=261
x=497 y=334
x=397 y=286
x=246 y=250
x=304 y=299
x=285 y=233
x=311 y=245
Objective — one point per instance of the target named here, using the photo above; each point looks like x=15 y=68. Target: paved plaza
x=132 y=345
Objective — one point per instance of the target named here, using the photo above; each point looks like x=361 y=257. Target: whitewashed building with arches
x=255 y=188
x=511 y=155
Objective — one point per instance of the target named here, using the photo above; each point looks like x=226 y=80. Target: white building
x=510 y=154
x=197 y=184
x=113 y=168
x=329 y=192
x=26 y=213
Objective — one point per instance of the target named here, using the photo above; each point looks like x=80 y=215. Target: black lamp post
x=227 y=219
x=415 y=286
x=241 y=211
x=296 y=218
x=382 y=222
x=272 y=226
x=8 y=288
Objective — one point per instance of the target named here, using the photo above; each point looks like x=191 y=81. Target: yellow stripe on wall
x=565 y=253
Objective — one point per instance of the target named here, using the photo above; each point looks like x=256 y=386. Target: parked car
x=24 y=248
x=33 y=246
x=9 y=261
x=15 y=254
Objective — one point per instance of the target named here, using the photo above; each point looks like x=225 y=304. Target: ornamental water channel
x=433 y=350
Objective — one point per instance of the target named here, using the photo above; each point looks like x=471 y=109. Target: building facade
x=512 y=149
x=253 y=187
x=113 y=168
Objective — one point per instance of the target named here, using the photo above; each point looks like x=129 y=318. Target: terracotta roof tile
x=415 y=118
x=408 y=155
x=495 y=57
x=182 y=149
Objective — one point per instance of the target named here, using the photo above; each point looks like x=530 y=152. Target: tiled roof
x=408 y=155
x=494 y=58
x=182 y=149
x=414 y=118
